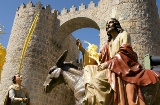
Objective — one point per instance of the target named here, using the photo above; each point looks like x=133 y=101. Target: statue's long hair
x=117 y=26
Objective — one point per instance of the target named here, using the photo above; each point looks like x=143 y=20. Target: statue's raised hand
x=78 y=43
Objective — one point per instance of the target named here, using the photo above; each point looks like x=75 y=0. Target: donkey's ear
x=61 y=59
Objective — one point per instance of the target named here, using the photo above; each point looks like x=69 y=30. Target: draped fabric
x=125 y=65
x=97 y=88
x=128 y=74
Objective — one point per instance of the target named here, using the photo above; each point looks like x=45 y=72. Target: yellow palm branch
x=2 y=58
x=27 y=40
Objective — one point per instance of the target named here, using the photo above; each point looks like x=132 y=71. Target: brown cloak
x=125 y=65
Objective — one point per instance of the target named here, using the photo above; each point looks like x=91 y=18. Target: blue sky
x=8 y=9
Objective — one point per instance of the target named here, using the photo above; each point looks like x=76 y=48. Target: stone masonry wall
x=53 y=35
x=42 y=52
x=140 y=19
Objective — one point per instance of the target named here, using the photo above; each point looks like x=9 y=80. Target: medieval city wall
x=52 y=36
x=41 y=55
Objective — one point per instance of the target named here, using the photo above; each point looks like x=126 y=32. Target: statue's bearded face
x=110 y=26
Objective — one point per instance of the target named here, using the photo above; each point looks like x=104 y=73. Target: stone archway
x=74 y=24
x=55 y=27
x=64 y=34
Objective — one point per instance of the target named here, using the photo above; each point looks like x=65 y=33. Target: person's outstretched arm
x=80 y=47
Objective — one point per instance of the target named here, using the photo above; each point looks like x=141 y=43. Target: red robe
x=125 y=65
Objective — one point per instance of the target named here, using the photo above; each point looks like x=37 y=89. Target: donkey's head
x=54 y=75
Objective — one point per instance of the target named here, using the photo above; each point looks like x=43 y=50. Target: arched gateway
x=53 y=35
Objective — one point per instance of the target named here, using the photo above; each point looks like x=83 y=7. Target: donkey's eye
x=50 y=71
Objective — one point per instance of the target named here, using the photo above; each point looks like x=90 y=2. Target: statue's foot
x=91 y=100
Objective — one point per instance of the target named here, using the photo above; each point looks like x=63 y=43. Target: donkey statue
x=67 y=73
x=73 y=77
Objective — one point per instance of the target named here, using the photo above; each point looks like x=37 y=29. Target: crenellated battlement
x=38 y=6
x=65 y=11
x=82 y=7
x=53 y=35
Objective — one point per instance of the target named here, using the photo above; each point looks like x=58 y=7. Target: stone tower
x=53 y=32
x=42 y=52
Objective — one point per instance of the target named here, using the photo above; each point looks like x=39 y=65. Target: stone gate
x=53 y=35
